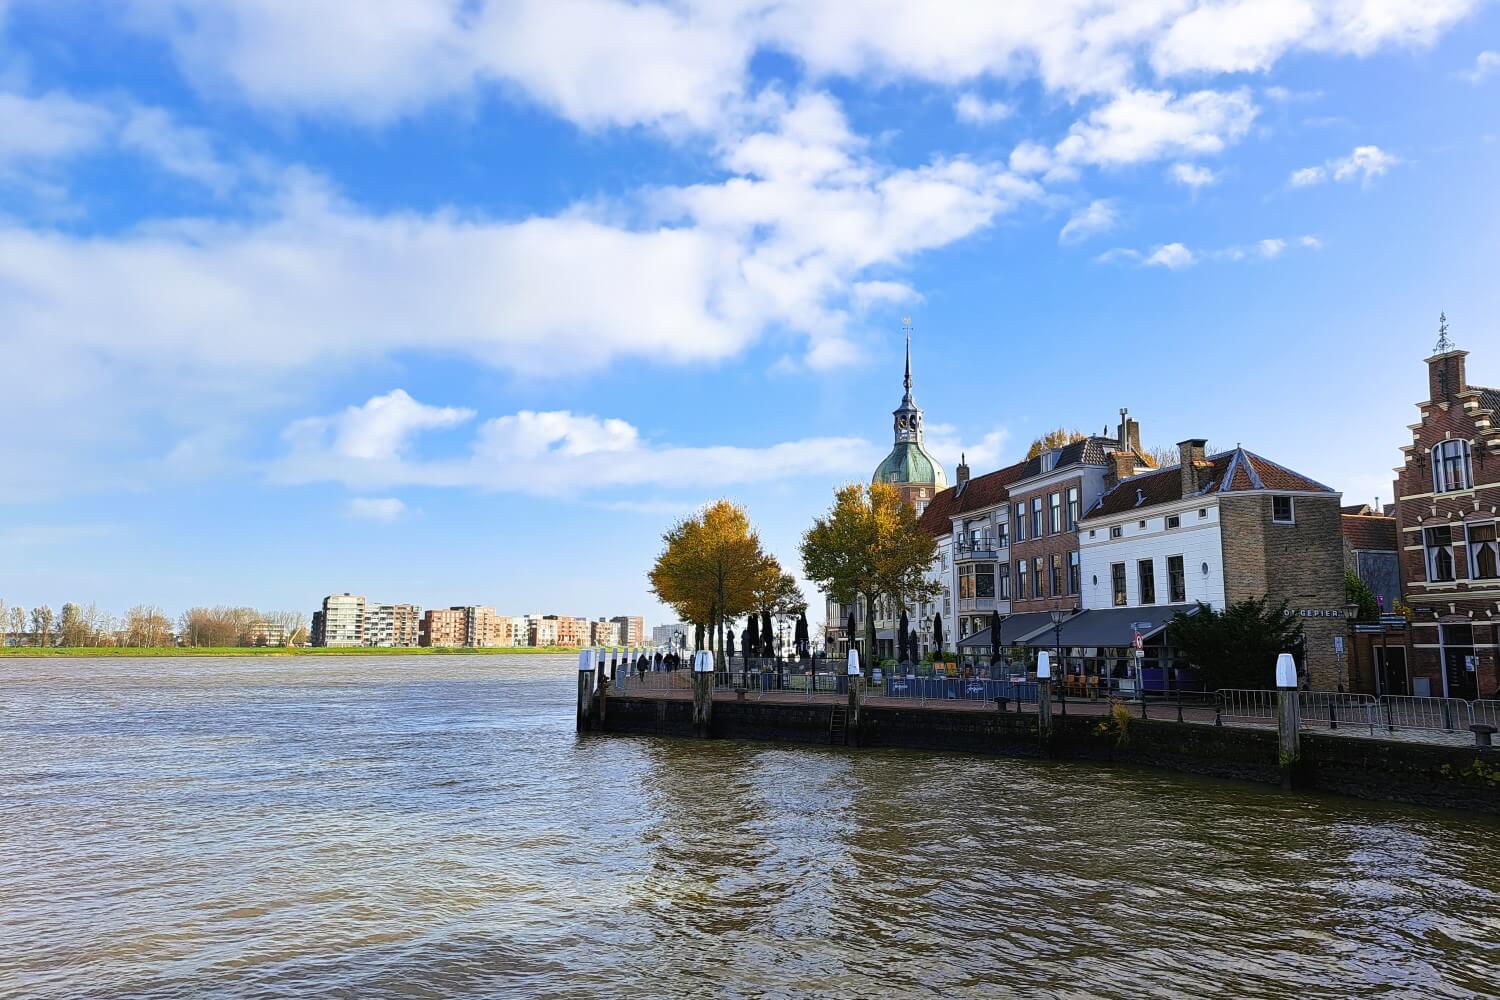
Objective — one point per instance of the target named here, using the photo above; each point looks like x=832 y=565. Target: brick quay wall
x=1461 y=777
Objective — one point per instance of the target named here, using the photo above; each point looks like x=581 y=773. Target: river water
x=431 y=826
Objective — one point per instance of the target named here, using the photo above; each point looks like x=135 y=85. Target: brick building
x=1047 y=501
x=632 y=629
x=393 y=625
x=1217 y=530
x=471 y=625
x=1447 y=500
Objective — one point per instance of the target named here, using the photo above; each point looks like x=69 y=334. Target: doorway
x=1391 y=675
x=1460 y=679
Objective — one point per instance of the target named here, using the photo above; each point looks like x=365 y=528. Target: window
x=1176 y=580
x=1450 y=467
x=966 y=581
x=1145 y=571
x=1173 y=521
x=1002 y=534
x=1057 y=574
x=1002 y=582
x=984 y=580
x=1054 y=513
x=1281 y=510
x=1114 y=531
x=1202 y=513
x=1117 y=580
x=1142 y=525
x=1021 y=580
x=1484 y=556
x=1020 y=522
x=1073 y=572
x=1036 y=517
x=1438 y=544
x=1074 y=510
x=1036 y=578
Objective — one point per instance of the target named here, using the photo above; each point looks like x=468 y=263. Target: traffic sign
x=1138 y=642
x=1393 y=619
x=1369 y=629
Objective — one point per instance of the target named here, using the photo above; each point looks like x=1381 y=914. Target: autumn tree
x=18 y=624
x=710 y=567
x=1163 y=457
x=147 y=627
x=41 y=624
x=1053 y=439
x=869 y=546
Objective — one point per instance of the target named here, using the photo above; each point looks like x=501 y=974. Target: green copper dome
x=909 y=463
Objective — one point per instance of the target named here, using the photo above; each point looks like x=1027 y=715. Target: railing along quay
x=1444 y=720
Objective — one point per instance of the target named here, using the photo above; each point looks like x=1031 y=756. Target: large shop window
x=1438 y=543
x=1117 y=583
x=1450 y=467
x=1484 y=554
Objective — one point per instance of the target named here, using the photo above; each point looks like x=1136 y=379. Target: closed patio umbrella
x=994 y=637
x=937 y=636
x=752 y=635
x=903 y=649
x=767 y=635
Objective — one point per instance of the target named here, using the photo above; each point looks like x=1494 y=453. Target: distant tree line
x=147 y=626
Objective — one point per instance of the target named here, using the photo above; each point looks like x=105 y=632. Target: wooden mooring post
x=703 y=694
x=586 y=688
x=1288 y=720
x=856 y=682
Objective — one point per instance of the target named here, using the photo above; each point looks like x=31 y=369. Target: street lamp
x=1058 y=616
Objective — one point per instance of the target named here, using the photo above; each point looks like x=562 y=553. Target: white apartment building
x=342 y=620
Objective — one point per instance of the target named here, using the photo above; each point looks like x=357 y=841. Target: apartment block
x=396 y=625
x=341 y=621
x=605 y=632
x=632 y=629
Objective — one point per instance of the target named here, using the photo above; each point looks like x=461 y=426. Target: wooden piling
x=585 y=689
x=703 y=694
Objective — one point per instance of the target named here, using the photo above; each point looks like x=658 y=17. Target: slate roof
x=1489 y=399
x=1371 y=532
x=1238 y=470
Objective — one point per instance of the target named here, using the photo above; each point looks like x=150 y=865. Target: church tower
x=909 y=466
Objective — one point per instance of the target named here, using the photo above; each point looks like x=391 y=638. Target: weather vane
x=1443 y=344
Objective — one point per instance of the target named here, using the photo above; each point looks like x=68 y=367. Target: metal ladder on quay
x=838 y=726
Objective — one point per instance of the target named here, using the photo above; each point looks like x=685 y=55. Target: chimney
x=1129 y=434
x=963 y=471
x=1122 y=466
x=1190 y=454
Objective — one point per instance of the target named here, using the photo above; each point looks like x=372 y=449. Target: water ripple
x=431 y=827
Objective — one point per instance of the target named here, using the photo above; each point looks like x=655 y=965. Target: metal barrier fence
x=1443 y=719
x=922 y=689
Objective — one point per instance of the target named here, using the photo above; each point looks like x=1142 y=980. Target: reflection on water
x=430 y=826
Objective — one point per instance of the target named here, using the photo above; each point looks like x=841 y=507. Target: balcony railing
x=979 y=548
x=976 y=604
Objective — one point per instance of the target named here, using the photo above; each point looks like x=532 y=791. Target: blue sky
x=466 y=301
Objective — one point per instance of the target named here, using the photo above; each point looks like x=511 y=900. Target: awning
x=1013 y=628
x=1108 y=627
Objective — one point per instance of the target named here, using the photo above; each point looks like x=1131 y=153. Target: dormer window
x=1450 y=467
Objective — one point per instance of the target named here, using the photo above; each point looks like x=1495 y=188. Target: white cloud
x=48 y=127
x=1137 y=126
x=1192 y=175
x=381 y=428
x=1363 y=164
x=561 y=453
x=975 y=110
x=948 y=447
x=1091 y=220
x=1176 y=256
x=1486 y=64
x=382 y=509
x=1173 y=256
x=614 y=62
x=43 y=130
x=789 y=241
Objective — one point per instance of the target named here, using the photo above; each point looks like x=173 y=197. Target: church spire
x=906 y=379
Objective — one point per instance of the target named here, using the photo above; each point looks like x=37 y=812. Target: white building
x=342 y=620
x=666 y=636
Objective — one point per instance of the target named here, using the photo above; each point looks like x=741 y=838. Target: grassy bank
x=108 y=651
